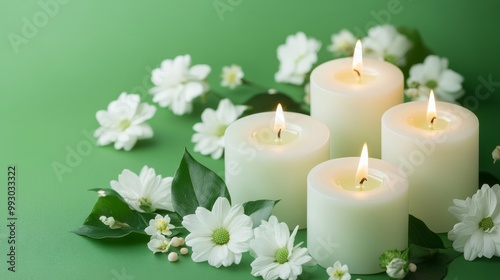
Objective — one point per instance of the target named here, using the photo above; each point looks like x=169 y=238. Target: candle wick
x=359 y=74
x=432 y=122
x=361 y=182
x=279 y=133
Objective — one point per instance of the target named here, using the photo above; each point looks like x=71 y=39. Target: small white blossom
x=385 y=42
x=434 y=74
x=124 y=122
x=296 y=57
x=159 y=243
x=231 y=76
x=146 y=192
x=478 y=232
x=396 y=268
x=159 y=225
x=338 y=272
x=343 y=43
x=209 y=134
x=275 y=253
x=219 y=236
x=112 y=223
x=177 y=83
x=496 y=154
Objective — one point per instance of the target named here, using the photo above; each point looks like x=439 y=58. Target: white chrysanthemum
x=496 y=154
x=146 y=192
x=275 y=253
x=177 y=83
x=385 y=42
x=159 y=225
x=124 y=122
x=219 y=236
x=296 y=57
x=159 y=243
x=231 y=76
x=434 y=74
x=397 y=268
x=338 y=272
x=478 y=232
x=343 y=43
x=209 y=134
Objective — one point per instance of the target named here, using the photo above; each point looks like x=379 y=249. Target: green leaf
x=420 y=234
x=265 y=102
x=195 y=185
x=419 y=254
x=430 y=270
x=259 y=210
x=113 y=206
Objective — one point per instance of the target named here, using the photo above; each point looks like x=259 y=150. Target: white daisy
x=338 y=272
x=159 y=243
x=177 y=83
x=146 y=192
x=434 y=74
x=159 y=225
x=231 y=76
x=275 y=253
x=124 y=122
x=478 y=232
x=296 y=57
x=209 y=134
x=385 y=42
x=219 y=236
x=343 y=43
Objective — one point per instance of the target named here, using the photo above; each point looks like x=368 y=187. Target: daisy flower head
x=275 y=253
x=296 y=58
x=385 y=42
x=433 y=74
x=159 y=226
x=177 y=83
x=338 y=272
x=478 y=232
x=209 y=134
x=343 y=43
x=219 y=236
x=124 y=122
x=146 y=192
x=231 y=76
x=159 y=244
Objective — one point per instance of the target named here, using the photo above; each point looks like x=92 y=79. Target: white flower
x=496 y=154
x=338 y=272
x=385 y=42
x=396 y=268
x=146 y=192
x=275 y=253
x=124 y=122
x=231 y=76
x=159 y=243
x=159 y=225
x=434 y=74
x=209 y=134
x=177 y=83
x=219 y=236
x=112 y=223
x=343 y=43
x=478 y=232
x=296 y=58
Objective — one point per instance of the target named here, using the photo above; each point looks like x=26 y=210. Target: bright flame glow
x=431 y=108
x=362 y=172
x=279 y=121
x=357 y=58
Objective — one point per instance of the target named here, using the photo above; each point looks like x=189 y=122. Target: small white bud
x=173 y=257
x=182 y=241
x=272 y=91
x=175 y=241
x=496 y=154
x=412 y=267
x=184 y=251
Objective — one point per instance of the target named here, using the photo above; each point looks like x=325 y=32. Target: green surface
x=82 y=54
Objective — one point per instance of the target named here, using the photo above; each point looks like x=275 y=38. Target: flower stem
x=255 y=85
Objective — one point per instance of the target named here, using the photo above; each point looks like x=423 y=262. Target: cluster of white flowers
x=478 y=232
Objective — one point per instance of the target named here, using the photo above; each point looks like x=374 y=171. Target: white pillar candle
x=356 y=226
x=352 y=107
x=260 y=167
x=441 y=162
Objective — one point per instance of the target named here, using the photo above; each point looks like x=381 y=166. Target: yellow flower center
x=146 y=204
x=281 y=255
x=124 y=124
x=338 y=274
x=220 y=130
x=220 y=236
x=162 y=225
x=486 y=224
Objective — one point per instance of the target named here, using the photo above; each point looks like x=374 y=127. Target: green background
x=79 y=55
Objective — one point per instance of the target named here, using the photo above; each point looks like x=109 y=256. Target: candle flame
x=357 y=59
x=362 y=173
x=279 y=121
x=431 y=109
